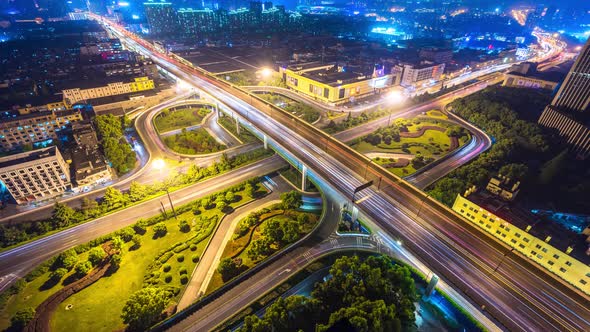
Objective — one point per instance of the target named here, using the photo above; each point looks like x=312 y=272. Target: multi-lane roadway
x=517 y=293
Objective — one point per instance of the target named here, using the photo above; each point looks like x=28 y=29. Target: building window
x=556 y=256
x=517 y=235
x=568 y=263
x=550 y=263
x=583 y=282
x=544 y=250
x=562 y=270
x=341 y=93
x=521 y=246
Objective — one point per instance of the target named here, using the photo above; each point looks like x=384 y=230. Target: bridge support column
x=355 y=213
x=219 y=114
x=265 y=142
x=303 y=177
x=237 y=125
x=431 y=285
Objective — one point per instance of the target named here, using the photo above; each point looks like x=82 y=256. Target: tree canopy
x=144 y=308
x=366 y=295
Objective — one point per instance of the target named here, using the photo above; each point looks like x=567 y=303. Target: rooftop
x=334 y=78
x=541 y=227
x=28 y=156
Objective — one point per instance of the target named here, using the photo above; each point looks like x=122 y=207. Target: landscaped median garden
x=187 y=141
x=261 y=234
x=228 y=123
x=410 y=144
x=140 y=271
x=114 y=200
x=297 y=109
x=180 y=118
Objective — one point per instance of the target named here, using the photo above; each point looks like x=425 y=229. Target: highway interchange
x=517 y=294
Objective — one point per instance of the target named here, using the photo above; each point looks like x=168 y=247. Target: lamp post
x=393 y=98
x=159 y=164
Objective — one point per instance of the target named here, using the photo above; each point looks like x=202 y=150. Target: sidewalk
x=203 y=272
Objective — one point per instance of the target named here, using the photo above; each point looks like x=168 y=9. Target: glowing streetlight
x=266 y=72
x=160 y=165
x=395 y=97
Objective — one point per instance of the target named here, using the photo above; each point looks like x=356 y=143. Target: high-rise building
x=161 y=18
x=97 y=6
x=197 y=21
x=569 y=112
x=35 y=175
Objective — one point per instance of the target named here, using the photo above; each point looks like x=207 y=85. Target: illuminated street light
x=160 y=165
x=395 y=97
x=266 y=72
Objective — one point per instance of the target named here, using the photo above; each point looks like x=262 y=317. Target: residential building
x=35 y=175
x=74 y=95
x=35 y=128
x=414 y=75
x=196 y=22
x=89 y=167
x=518 y=80
x=569 y=112
x=332 y=84
x=504 y=187
x=85 y=135
x=563 y=253
x=161 y=18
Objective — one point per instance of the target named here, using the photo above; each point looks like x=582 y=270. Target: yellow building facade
x=556 y=261
x=327 y=85
x=72 y=96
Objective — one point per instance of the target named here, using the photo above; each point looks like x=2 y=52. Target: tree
x=96 y=255
x=114 y=198
x=221 y=206
x=116 y=260
x=137 y=191
x=514 y=171
x=290 y=231
x=260 y=247
x=249 y=190
x=160 y=229
x=22 y=317
x=126 y=234
x=67 y=259
x=184 y=226
x=117 y=244
x=136 y=240
x=56 y=275
x=89 y=208
x=291 y=200
x=230 y=197
x=63 y=215
x=273 y=231
x=83 y=268
x=228 y=269
x=144 y=308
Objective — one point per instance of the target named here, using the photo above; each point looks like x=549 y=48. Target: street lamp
x=160 y=165
x=265 y=72
x=394 y=97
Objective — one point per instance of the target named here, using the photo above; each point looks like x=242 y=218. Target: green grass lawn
x=180 y=118
x=436 y=114
x=432 y=144
x=297 y=109
x=99 y=306
x=230 y=125
x=31 y=296
x=196 y=141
